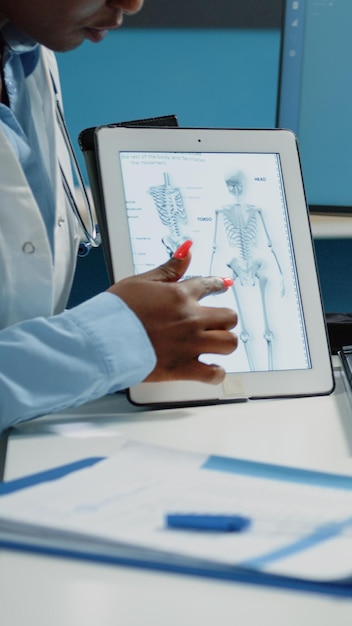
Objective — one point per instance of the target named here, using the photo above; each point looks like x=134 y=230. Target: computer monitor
x=315 y=97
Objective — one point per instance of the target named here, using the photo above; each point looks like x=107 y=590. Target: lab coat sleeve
x=50 y=364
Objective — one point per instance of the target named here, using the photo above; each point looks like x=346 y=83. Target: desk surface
x=308 y=432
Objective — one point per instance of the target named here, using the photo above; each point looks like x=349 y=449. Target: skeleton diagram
x=169 y=204
x=241 y=222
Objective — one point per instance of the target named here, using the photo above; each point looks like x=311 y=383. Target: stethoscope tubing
x=91 y=232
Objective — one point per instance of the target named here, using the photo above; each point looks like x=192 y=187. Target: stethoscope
x=90 y=231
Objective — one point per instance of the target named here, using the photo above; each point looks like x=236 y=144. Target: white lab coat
x=31 y=283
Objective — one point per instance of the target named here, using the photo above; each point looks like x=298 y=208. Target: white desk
x=41 y=591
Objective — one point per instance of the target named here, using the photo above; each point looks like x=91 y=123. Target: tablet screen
x=233 y=207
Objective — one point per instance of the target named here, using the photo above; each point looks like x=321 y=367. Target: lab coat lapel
x=25 y=256
x=65 y=233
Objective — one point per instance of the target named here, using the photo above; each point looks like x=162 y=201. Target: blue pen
x=207 y=522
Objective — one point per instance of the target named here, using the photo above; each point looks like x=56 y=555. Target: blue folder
x=229 y=573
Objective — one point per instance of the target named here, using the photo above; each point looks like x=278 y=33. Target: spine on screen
x=86 y=141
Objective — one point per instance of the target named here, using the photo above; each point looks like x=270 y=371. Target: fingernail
x=182 y=250
x=228 y=282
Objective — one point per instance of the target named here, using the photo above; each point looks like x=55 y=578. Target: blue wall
x=206 y=77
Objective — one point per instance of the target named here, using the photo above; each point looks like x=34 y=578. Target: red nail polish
x=182 y=250
x=228 y=282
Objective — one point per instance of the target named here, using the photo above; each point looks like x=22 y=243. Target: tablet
x=239 y=196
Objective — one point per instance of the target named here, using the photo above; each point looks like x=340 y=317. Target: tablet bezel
x=319 y=378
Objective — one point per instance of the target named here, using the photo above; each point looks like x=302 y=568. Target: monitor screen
x=315 y=97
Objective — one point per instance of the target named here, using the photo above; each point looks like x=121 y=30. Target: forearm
x=48 y=365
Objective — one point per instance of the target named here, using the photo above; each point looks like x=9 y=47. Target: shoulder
x=50 y=61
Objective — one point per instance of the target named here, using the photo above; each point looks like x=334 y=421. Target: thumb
x=175 y=267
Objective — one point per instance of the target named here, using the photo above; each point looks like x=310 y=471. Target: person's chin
x=66 y=44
